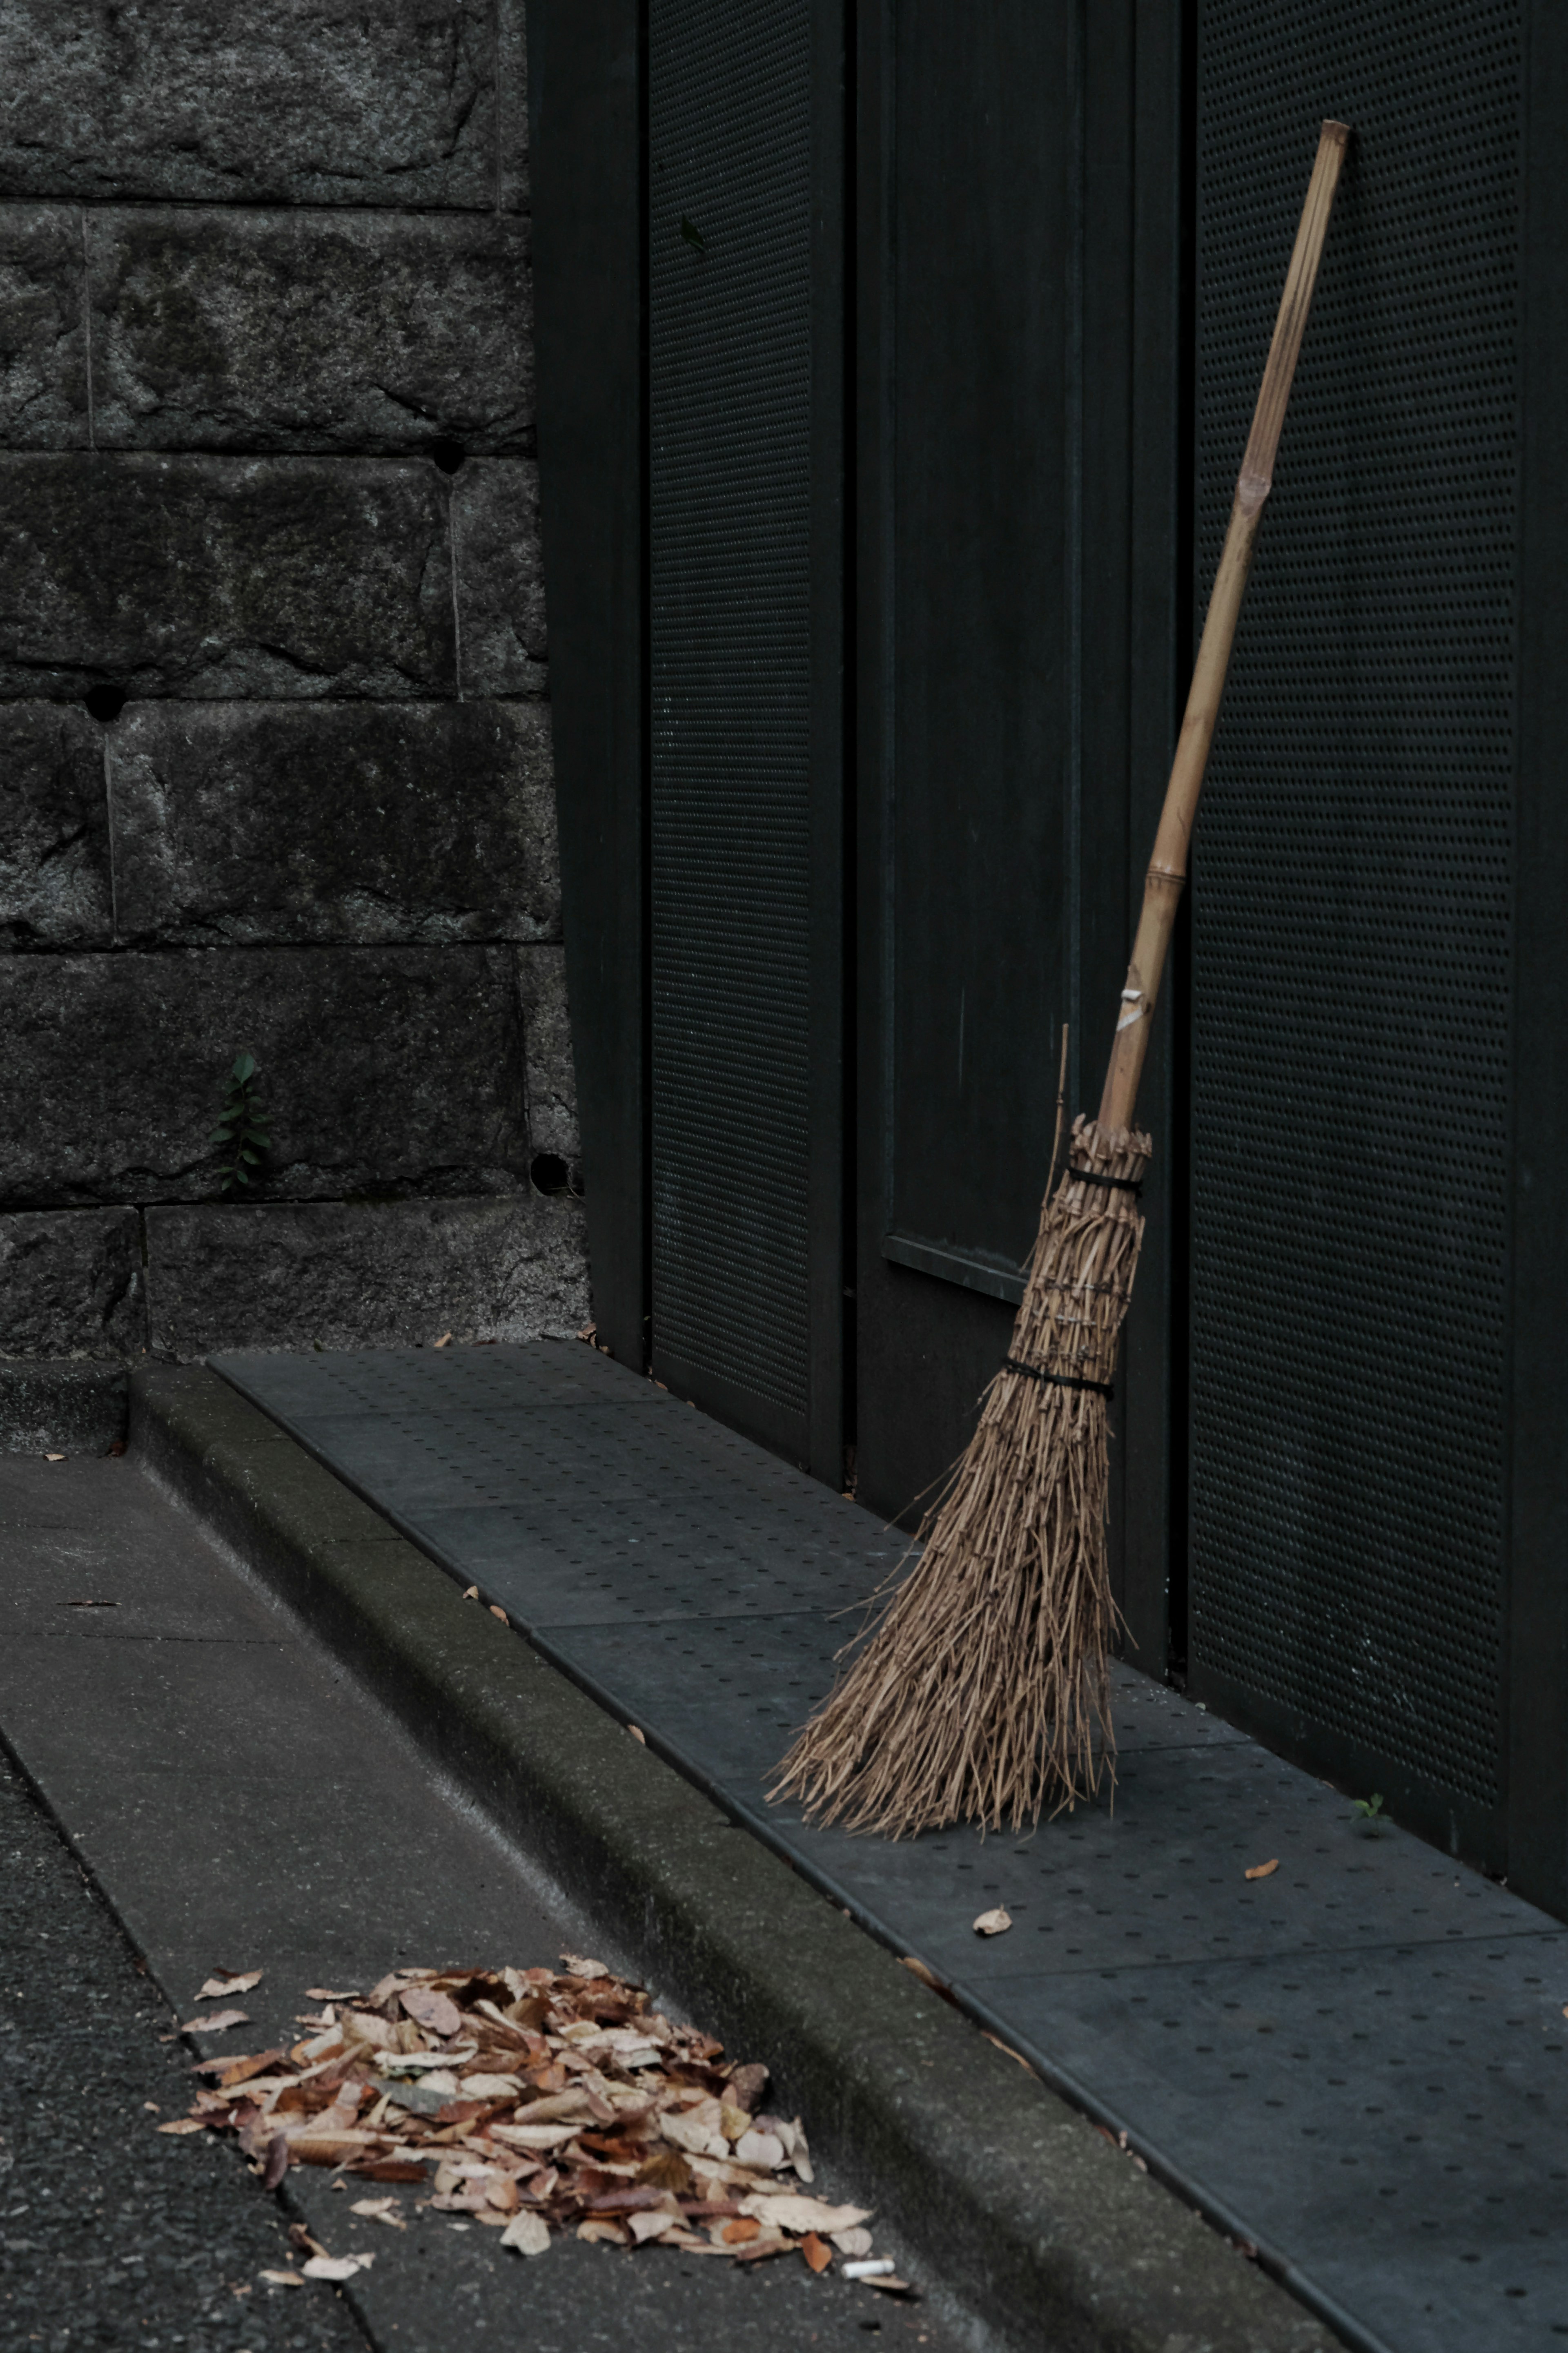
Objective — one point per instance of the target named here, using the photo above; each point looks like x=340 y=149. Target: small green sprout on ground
x=243 y=1134
x=1372 y=1821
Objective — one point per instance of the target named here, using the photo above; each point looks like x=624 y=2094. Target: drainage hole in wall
x=105 y=702
x=447 y=455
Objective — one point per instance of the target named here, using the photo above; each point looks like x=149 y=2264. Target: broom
x=977 y=1695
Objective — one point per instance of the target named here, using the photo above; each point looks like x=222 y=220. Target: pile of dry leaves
x=543 y=2101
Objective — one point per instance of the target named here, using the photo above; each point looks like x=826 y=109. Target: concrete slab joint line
x=1051 y=2235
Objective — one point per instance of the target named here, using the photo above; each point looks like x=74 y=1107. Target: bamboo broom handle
x=1168 y=870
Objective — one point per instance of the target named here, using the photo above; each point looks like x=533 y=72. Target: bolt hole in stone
x=549 y=1174
x=446 y=455
x=105 y=702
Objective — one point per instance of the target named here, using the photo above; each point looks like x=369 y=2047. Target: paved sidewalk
x=1356 y=2063
x=242 y=1804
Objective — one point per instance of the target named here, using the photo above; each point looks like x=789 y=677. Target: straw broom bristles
x=978 y=1693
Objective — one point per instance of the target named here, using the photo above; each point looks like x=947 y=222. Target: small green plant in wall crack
x=243 y=1136
x=1371 y=1819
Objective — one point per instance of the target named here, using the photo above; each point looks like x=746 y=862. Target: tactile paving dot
x=1358 y=2055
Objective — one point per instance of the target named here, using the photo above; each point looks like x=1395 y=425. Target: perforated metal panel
x=731 y=376
x=1354 y=885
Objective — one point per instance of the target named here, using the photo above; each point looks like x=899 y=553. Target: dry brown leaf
x=744 y=2227
x=222 y=1987
x=786 y=2210
x=283 y=2279
x=1008 y=2050
x=535 y=2136
x=331 y=1993
x=54 y=1458
x=218 y=2023
x=816 y=2253
x=922 y=1969
x=334 y=2267
x=608 y=2234
x=760 y=2249
x=994 y=1922
x=444 y=1341
x=229 y=2071
x=497 y=1611
x=890 y=2285
x=760 y=2149
x=638 y=1734
x=747 y=2086
x=1263 y=1870
x=576 y=1966
x=528 y=2233
x=470 y=1593
x=650 y=2225
x=184 y=2124
x=852 y=2243
x=436 y=2012
x=380 y=2210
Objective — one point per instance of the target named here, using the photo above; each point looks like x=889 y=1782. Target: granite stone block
x=512 y=104
x=396 y=1069
x=500 y=576
x=370 y=823
x=70 y=1283
x=547 y=1037
x=54 y=829
x=294 y=578
x=366 y=1275
x=66 y=1406
x=43 y=343
x=308 y=101
x=230 y=329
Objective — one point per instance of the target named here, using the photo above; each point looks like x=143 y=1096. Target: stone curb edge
x=1050 y=2235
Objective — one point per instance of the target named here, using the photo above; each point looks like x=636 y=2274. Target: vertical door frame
x=1536 y=1588
x=587 y=161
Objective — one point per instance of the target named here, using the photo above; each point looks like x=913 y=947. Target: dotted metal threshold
x=1360 y=2065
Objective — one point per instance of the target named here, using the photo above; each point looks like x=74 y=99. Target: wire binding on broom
x=982 y=1693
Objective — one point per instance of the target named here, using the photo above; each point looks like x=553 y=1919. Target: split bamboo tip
x=1338 y=131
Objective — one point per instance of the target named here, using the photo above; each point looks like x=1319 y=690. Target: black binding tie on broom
x=1058 y=1380
x=1071 y=1176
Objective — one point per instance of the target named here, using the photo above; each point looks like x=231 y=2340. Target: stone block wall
x=274 y=730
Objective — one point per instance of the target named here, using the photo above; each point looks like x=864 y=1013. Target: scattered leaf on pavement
x=217 y=2022
x=993 y=1923
x=222 y=1987
x=1263 y=1870
x=816 y=2254
x=284 y=2279
x=380 y=2210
